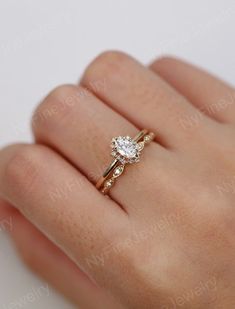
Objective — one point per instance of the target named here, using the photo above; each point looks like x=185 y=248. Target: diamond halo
x=125 y=149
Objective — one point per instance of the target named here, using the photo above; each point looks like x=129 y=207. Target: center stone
x=126 y=147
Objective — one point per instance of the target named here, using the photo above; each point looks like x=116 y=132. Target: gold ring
x=125 y=150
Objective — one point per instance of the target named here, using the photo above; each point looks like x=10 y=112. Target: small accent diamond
x=109 y=183
x=118 y=171
x=140 y=146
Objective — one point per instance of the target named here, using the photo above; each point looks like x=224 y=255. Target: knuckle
x=107 y=63
x=22 y=169
x=109 y=57
x=61 y=92
x=164 y=61
x=54 y=108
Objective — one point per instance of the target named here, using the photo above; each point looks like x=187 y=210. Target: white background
x=47 y=43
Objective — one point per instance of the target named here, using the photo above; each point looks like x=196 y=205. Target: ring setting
x=125 y=150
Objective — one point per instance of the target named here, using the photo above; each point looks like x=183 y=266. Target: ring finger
x=80 y=126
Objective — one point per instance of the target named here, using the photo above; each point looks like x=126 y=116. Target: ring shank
x=107 y=172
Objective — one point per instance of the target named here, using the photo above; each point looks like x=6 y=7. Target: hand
x=165 y=238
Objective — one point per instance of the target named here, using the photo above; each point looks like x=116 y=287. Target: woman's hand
x=165 y=237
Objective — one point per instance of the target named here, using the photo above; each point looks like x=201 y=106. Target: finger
x=209 y=94
x=144 y=98
x=50 y=263
x=6 y=216
x=82 y=131
x=61 y=202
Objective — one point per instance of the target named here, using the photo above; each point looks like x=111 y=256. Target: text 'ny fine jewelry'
x=125 y=150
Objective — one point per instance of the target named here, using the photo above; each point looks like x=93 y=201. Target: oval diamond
x=126 y=147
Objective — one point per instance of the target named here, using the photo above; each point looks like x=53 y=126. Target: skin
x=165 y=237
